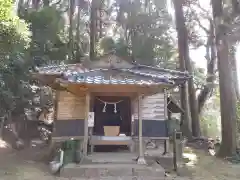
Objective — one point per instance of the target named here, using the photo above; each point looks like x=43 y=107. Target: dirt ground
x=204 y=166
x=24 y=165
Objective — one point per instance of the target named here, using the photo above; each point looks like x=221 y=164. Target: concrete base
x=106 y=165
x=111 y=158
x=110 y=170
x=141 y=161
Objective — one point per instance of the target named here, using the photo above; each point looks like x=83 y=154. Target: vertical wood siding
x=153 y=107
x=154 y=116
x=70 y=106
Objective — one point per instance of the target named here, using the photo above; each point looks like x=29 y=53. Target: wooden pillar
x=166 y=118
x=141 y=159
x=2 y=119
x=87 y=106
x=91 y=134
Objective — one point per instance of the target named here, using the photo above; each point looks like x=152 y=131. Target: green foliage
x=199 y=76
x=121 y=48
x=5 y=10
x=238 y=122
x=14 y=36
x=15 y=39
x=209 y=126
x=49 y=41
x=210 y=117
x=107 y=44
x=146 y=30
x=238 y=109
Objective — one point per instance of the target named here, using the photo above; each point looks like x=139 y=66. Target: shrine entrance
x=112 y=123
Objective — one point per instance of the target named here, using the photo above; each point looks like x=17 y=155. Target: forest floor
x=23 y=165
x=204 y=166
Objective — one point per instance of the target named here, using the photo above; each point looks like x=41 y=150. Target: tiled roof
x=139 y=66
x=102 y=80
x=144 y=75
x=59 y=69
x=154 y=74
x=100 y=77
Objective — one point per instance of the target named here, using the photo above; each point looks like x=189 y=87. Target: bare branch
x=58 y=2
x=201 y=26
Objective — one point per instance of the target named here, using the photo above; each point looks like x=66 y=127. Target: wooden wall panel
x=69 y=128
x=152 y=128
x=153 y=107
x=70 y=106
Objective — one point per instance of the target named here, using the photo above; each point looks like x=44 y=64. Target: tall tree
x=185 y=64
x=15 y=39
x=183 y=52
x=196 y=17
x=211 y=68
x=236 y=6
x=227 y=92
x=36 y=4
x=145 y=29
x=233 y=60
x=93 y=29
x=77 y=43
x=46 y=3
x=71 y=41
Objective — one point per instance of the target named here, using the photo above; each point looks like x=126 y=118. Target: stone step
x=128 y=178
x=112 y=157
x=104 y=165
x=111 y=170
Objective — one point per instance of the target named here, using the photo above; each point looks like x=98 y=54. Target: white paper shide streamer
x=108 y=103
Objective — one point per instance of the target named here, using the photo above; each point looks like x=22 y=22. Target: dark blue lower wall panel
x=65 y=128
x=152 y=128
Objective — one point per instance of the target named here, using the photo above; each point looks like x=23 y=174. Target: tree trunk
x=35 y=4
x=93 y=17
x=133 y=33
x=71 y=42
x=236 y=6
x=101 y=20
x=20 y=5
x=232 y=56
x=211 y=66
x=46 y=3
x=191 y=89
x=180 y=26
x=184 y=54
x=227 y=93
x=78 y=41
